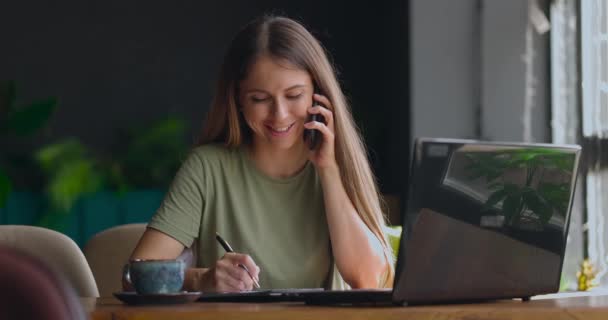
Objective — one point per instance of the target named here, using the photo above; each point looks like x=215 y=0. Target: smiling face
x=274 y=98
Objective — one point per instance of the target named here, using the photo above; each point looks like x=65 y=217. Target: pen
x=228 y=248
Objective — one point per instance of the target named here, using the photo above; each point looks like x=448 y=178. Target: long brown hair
x=286 y=39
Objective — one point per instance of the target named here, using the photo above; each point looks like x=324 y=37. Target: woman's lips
x=280 y=131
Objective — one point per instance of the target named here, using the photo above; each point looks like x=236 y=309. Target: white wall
x=443 y=88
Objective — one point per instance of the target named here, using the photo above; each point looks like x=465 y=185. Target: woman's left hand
x=324 y=156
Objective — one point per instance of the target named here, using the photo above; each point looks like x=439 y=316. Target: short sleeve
x=179 y=214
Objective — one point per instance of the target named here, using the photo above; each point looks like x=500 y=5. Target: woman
x=294 y=215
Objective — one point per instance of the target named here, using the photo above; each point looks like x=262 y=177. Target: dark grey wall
x=114 y=64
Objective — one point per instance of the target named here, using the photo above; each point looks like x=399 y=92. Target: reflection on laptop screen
x=486 y=220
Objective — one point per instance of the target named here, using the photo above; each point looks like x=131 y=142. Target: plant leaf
x=495 y=198
x=511 y=188
x=541 y=208
x=72 y=181
x=509 y=207
x=557 y=195
x=160 y=146
x=532 y=201
x=26 y=120
x=52 y=156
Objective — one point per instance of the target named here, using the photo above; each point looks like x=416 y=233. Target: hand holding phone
x=311 y=136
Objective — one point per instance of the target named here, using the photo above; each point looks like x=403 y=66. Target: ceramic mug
x=155 y=276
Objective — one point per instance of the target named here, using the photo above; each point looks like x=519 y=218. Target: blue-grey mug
x=157 y=276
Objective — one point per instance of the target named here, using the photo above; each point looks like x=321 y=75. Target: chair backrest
x=108 y=251
x=56 y=250
x=394 y=237
x=30 y=290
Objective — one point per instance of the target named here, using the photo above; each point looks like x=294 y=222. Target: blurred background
x=100 y=101
x=118 y=92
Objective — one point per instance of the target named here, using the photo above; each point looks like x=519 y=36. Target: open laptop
x=481 y=221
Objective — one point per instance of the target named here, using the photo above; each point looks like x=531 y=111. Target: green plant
x=536 y=199
x=147 y=156
x=71 y=174
x=18 y=121
x=149 y=159
x=152 y=155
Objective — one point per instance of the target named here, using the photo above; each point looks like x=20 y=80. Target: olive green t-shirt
x=280 y=223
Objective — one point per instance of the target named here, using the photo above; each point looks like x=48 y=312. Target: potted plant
x=79 y=190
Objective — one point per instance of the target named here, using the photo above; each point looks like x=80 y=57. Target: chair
x=30 y=290
x=54 y=249
x=109 y=250
x=394 y=237
x=393 y=230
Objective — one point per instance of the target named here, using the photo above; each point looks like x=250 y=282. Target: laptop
x=481 y=221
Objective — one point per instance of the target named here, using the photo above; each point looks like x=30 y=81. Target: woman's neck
x=279 y=163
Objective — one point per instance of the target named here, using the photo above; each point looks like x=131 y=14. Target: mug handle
x=127 y=285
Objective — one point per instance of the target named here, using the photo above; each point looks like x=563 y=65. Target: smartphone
x=311 y=136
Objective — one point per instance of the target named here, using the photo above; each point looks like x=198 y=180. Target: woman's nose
x=280 y=109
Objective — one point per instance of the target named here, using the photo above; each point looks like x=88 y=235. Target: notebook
x=481 y=221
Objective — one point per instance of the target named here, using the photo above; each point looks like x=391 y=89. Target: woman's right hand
x=229 y=277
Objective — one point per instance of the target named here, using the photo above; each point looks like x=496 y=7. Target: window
x=580 y=115
x=594 y=61
x=565 y=122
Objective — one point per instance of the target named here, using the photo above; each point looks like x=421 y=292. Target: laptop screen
x=485 y=220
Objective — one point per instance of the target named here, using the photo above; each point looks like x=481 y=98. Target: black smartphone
x=311 y=136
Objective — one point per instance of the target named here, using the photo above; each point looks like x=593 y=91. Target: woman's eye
x=294 y=97
x=258 y=99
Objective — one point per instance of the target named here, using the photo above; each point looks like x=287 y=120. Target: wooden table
x=587 y=307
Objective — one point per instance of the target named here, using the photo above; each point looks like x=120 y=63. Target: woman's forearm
x=358 y=252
